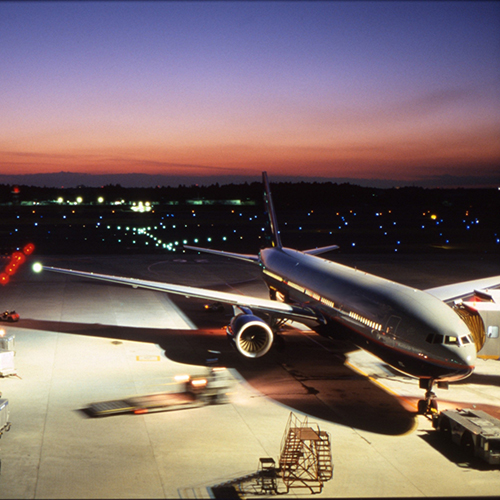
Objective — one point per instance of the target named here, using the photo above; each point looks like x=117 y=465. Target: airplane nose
x=465 y=359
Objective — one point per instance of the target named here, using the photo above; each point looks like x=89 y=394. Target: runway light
x=37 y=267
x=29 y=249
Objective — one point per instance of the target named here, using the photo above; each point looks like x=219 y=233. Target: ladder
x=324 y=450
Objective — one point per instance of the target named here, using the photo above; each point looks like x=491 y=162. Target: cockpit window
x=434 y=338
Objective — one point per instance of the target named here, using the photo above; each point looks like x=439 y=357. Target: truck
x=198 y=391
x=477 y=432
x=4 y=416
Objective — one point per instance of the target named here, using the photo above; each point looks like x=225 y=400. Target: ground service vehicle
x=474 y=430
x=4 y=416
x=198 y=391
x=9 y=316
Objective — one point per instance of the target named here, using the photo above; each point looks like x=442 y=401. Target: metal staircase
x=306 y=458
x=305 y=462
x=324 y=450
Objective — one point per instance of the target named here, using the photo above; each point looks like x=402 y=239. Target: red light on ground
x=11 y=269
x=16 y=190
x=29 y=249
x=4 y=279
x=18 y=257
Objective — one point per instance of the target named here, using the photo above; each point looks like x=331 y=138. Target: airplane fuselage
x=407 y=328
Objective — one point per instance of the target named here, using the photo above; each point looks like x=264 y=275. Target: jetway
x=485 y=304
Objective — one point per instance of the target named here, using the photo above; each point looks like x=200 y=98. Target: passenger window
x=492 y=332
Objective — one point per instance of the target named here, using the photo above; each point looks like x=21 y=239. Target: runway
x=80 y=342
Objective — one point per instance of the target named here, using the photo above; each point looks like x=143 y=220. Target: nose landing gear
x=429 y=405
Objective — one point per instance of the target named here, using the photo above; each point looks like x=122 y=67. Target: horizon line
x=67 y=179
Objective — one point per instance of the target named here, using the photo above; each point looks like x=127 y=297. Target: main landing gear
x=429 y=405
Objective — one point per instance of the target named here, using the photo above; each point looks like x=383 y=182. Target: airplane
x=419 y=333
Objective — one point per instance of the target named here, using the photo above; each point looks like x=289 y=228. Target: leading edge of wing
x=265 y=305
x=456 y=291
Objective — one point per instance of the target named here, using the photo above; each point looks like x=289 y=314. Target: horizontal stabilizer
x=320 y=250
x=241 y=256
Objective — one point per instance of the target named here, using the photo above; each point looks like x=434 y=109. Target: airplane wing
x=280 y=309
x=462 y=290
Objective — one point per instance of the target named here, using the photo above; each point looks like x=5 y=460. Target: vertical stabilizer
x=276 y=240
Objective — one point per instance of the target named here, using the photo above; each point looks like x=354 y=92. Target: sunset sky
x=408 y=90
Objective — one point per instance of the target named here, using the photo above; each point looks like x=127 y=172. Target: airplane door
x=392 y=325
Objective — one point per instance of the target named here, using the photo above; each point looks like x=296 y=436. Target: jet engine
x=251 y=335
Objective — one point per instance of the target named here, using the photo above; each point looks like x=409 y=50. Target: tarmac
x=80 y=342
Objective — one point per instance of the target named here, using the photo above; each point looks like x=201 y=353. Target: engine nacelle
x=251 y=335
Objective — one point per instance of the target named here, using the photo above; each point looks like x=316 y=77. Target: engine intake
x=252 y=336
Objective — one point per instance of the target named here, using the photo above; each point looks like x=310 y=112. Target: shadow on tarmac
x=454 y=453
x=301 y=375
x=481 y=379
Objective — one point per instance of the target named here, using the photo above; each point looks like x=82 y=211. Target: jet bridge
x=481 y=312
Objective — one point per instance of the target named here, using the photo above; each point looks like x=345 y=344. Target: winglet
x=276 y=240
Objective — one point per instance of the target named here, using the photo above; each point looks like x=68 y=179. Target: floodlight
x=37 y=267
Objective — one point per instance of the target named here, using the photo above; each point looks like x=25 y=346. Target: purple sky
x=403 y=91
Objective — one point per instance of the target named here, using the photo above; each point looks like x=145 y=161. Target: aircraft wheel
x=422 y=407
x=433 y=405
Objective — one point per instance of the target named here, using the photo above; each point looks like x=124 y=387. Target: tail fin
x=276 y=240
